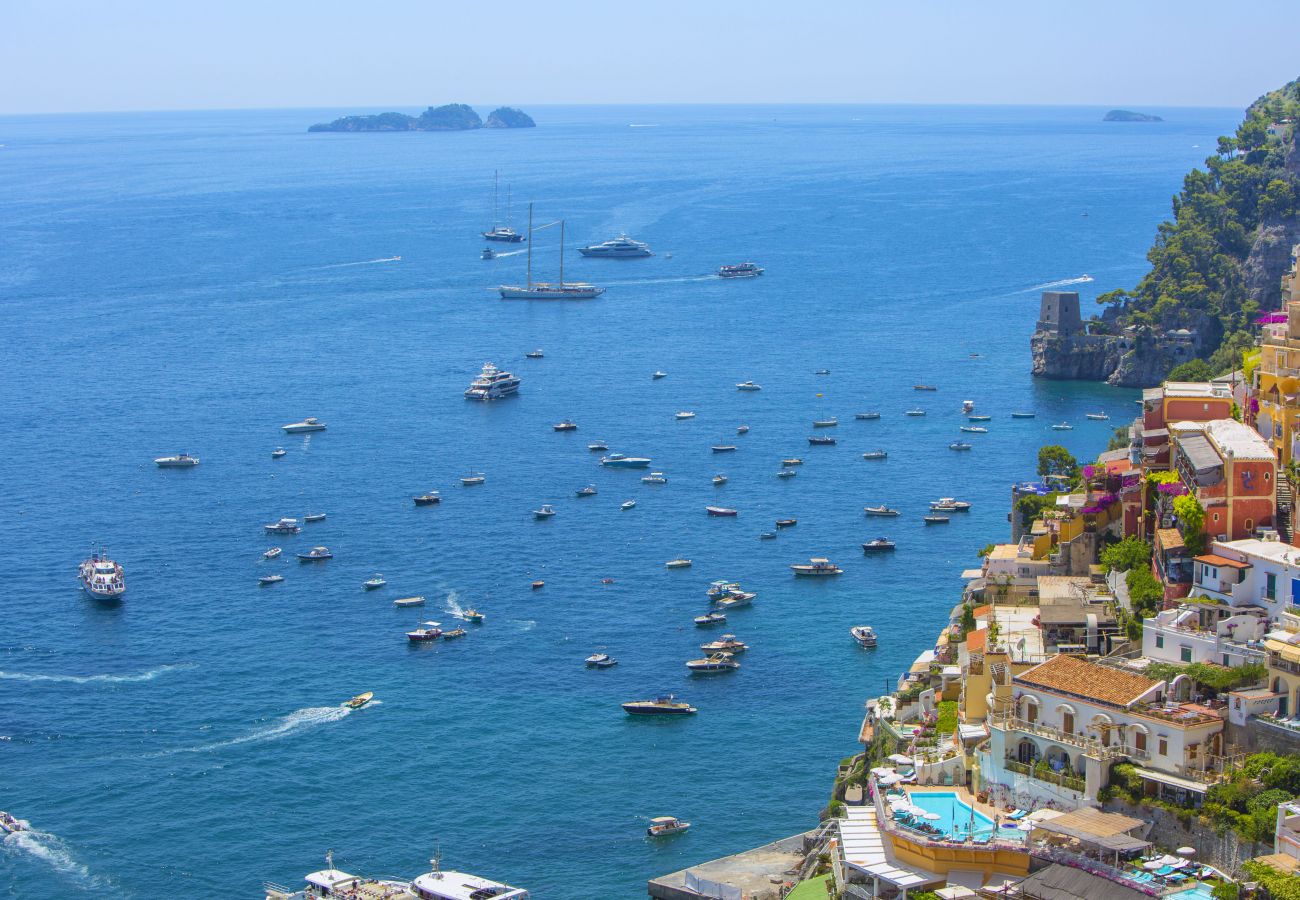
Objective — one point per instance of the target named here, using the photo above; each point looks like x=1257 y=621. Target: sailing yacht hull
x=551 y=292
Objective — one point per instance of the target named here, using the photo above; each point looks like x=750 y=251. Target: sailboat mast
x=530 y=245
x=561 y=253
x=508 y=216
x=496 y=189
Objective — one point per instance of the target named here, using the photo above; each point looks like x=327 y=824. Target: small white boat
x=973 y=429
x=658 y=375
x=967 y=405
x=600 y=661
x=316 y=554
x=278 y=452
x=713 y=664
x=915 y=412
x=723 y=511
x=749 y=386
x=627 y=504
x=742 y=429
x=488 y=253
x=598 y=447
x=311 y=423
x=662 y=826
x=678 y=564
x=787 y=473
x=719 y=480
x=374 y=583
x=409 y=601
x=950 y=504
x=534 y=354
x=545 y=512
x=875 y=454
x=181 y=460
x=826 y=423
x=960 y=445
x=817 y=566
x=1097 y=417
x=865 y=635
x=684 y=414
x=566 y=425
x=1063 y=426
x=473 y=478
x=270 y=579
x=710 y=618
x=314 y=517
x=286 y=525
x=10 y=824
x=936 y=519
x=588 y=491
x=728 y=643
x=723 y=448
x=879 y=510
x=866 y=416
x=654 y=478
x=272 y=553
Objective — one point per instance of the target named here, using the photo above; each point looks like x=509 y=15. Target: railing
x=1277 y=661
x=1073 y=782
x=1177 y=716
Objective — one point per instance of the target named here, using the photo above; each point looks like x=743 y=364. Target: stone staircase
x=1285 y=507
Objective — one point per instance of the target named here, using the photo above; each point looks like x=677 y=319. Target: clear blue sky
x=367 y=55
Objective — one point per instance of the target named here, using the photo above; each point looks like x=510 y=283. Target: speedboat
x=866 y=415
x=284 y=526
x=658 y=375
x=425 y=631
x=915 y=412
x=924 y=387
x=716 y=662
x=865 y=635
x=786 y=523
x=719 y=480
x=1063 y=426
x=826 y=423
x=360 y=700
x=101 y=577
x=179 y=461
x=1096 y=417
x=627 y=504
x=622 y=461
x=680 y=563
x=787 y=473
x=473 y=478
x=598 y=447
x=1023 y=415
x=960 y=445
x=453 y=634
x=488 y=253
x=534 y=354
x=600 y=661
x=371 y=584
x=545 y=512
x=728 y=643
x=749 y=386
x=270 y=579
x=272 y=553
x=492 y=384
x=936 y=520
x=311 y=423
x=538 y=585
x=723 y=448
x=278 y=452
x=967 y=405
x=663 y=826
x=665 y=705
x=817 y=566
x=792 y=461
x=973 y=429
x=429 y=499
x=654 y=478
x=408 y=601
x=822 y=372
x=979 y=418
x=950 y=504
x=566 y=425
x=685 y=414
x=736 y=599
x=588 y=491
x=721 y=589
x=316 y=554
x=314 y=517
x=821 y=441
x=875 y=454
x=720 y=511
x=743 y=270
x=766 y=535
x=879 y=545
x=742 y=429
x=879 y=510
x=473 y=616
x=10 y=824
x=621 y=247
x=711 y=618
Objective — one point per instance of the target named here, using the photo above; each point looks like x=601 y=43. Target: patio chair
x=1017 y=815
x=1165 y=870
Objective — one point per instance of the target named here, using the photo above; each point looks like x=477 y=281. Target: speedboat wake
x=294 y=723
x=96 y=679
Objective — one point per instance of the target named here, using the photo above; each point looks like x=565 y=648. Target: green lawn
x=812 y=889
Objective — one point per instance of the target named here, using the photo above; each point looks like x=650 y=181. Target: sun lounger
x=1018 y=815
x=1165 y=870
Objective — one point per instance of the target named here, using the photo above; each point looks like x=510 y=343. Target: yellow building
x=1278 y=390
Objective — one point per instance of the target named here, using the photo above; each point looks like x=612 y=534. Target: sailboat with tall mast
x=541 y=290
x=501 y=232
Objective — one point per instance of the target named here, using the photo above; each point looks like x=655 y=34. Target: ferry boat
x=723 y=448
x=9 y=824
x=742 y=270
x=101 y=577
x=680 y=563
x=311 y=423
x=545 y=512
x=588 y=491
x=492 y=384
x=534 y=354
x=181 y=460
x=278 y=452
x=821 y=441
x=425 y=631
x=749 y=386
x=915 y=412
x=566 y=425
x=430 y=499
x=316 y=554
x=654 y=478
x=879 y=510
x=270 y=579
x=498 y=232
x=716 y=662
x=728 y=643
x=272 y=553
x=374 y=583
x=879 y=545
x=817 y=566
x=720 y=511
x=1096 y=417
x=960 y=445
x=826 y=423
x=710 y=618
x=598 y=447
x=665 y=705
x=663 y=826
x=621 y=247
x=1023 y=415
x=621 y=461
x=473 y=478
x=875 y=454
x=862 y=417
x=865 y=635
x=532 y=290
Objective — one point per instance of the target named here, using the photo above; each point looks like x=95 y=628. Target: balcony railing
x=1277 y=661
x=1090 y=745
x=1073 y=782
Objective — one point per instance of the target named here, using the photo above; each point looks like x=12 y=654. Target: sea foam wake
x=96 y=679
x=1064 y=282
x=294 y=723
x=51 y=850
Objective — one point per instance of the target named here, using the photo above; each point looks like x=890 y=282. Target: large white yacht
x=181 y=460
x=102 y=578
x=311 y=423
x=439 y=884
x=492 y=384
x=621 y=247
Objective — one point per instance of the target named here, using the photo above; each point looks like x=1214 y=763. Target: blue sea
x=193 y=280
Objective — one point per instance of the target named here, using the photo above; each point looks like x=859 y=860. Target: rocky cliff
x=508 y=117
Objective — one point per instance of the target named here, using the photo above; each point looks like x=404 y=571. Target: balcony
x=1091 y=746
x=1282 y=664
x=1043 y=773
x=1177 y=715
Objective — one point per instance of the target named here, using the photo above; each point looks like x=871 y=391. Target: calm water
x=194 y=280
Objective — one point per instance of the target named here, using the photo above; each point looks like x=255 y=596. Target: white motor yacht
x=621 y=247
x=286 y=525
x=181 y=460
x=864 y=635
x=654 y=478
x=311 y=423
x=817 y=566
x=492 y=384
x=749 y=386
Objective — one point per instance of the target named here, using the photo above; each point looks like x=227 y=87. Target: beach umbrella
x=900 y=759
x=933 y=817
x=1152 y=865
x=1186 y=851
x=889 y=779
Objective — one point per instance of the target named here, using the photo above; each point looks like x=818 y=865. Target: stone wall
x=1256 y=737
x=1223 y=851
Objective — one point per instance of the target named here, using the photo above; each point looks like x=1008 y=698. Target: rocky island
x=452 y=117
x=1126 y=115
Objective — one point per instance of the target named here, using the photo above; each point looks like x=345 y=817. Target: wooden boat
x=566 y=425
x=538 y=585
x=821 y=441
x=786 y=523
x=360 y=700
x=409 y=601
x=427 y=631
x=453 y=634
x=428 y=499
x=924 y=387
x=719 y=511
x=792 y=461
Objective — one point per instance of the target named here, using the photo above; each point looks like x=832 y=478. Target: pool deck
x=964 y=795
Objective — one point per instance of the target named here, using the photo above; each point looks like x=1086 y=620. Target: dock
x=756 y=874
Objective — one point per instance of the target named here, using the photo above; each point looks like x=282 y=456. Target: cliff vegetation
x=1127 y=115
x=451 y=117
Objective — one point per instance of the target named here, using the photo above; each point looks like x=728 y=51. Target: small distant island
x=452 y=117
x=1127 y=115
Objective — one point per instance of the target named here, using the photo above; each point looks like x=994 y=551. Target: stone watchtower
x=1059 y=313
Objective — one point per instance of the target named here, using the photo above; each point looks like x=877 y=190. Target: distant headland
x=1127 y=115
x=452 y=117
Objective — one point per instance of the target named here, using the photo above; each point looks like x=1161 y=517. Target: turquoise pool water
x=956 y=819
x=1199 y=891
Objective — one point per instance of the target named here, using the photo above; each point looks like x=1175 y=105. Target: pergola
x=1107 y=832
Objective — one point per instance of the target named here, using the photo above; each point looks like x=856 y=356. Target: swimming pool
x=1198 y=891
x=957 y=819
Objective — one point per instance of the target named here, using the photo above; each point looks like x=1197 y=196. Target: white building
x=1250 y=572
x=1196 y=632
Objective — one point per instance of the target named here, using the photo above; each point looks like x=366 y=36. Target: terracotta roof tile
x=1087 y=680
x=976 y=639
x=1216 y=560
x=981 y=611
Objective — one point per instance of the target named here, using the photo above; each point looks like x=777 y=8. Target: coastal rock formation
x=1126 y=115
x=509 y=117
x=452 y=117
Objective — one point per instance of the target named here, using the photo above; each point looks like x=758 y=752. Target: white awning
x=1172 y=780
